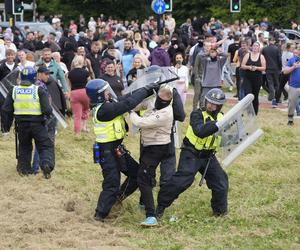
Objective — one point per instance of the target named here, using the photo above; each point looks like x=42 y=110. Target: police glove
x=152 y=87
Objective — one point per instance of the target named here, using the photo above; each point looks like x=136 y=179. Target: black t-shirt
x=232 y=49
x=78 y=78
x=115 y=83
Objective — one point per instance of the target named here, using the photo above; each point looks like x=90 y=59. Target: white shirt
x=170 y=24
x=11 y=46
x=55 y=20
x=183 y=73
x=226 y=44
x=2 y=52
x=92 y=25
x=63 y=67
x=192 y=50
x=286 y=55
x=10 y=66
x=27 y=64
x=153 y=44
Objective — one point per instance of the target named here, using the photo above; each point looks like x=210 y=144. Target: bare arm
x=289 y=70
x=236 y=57
x=263 y=64
x=221 y=41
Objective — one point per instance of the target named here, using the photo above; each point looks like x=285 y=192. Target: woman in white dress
x=182 y=84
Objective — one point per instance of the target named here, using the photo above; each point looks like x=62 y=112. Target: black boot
x=98 y=217
x=159 y=211
x=46 y=171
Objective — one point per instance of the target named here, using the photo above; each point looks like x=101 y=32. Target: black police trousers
x=168 y=164
x=34 y=130
x=151 y=156
x=112 y=166
x=189 y=164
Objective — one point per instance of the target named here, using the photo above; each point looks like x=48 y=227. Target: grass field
x=264 y=200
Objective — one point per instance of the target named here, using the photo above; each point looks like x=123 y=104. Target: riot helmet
x=95 y=91
x=28 y=74
x=215 y=96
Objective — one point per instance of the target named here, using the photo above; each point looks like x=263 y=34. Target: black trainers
x=46 y=172
x=274 y=103
x=98 y=217
x=159 y=212
x=290 y=123
x=21 y=172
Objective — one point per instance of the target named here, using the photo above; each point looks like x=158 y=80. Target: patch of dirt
x=40 y=214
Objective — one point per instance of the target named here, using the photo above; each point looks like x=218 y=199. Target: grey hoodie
x=212 y=70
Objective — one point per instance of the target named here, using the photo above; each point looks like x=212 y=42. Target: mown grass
x=264 y=200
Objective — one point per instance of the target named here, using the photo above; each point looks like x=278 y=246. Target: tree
x=279 y=12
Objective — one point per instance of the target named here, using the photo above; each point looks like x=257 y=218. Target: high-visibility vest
x=108 y=131
x=26 y=100
x=211 y=142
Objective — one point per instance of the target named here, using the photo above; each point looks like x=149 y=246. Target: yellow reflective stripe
x=26 y=102
x=97 y=125
x=24 y=110
x=103 y=136
x=110 y=130
x=211 y=142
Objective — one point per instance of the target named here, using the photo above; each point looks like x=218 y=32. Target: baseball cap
x=43 y=69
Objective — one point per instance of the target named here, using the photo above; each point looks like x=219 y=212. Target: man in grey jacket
x=212 y=64
x=156 y=126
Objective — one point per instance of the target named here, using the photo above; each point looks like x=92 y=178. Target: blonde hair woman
x=141 y=46
x=78 y=78
x=138 y=63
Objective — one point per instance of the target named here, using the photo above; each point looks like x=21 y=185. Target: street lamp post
x=34 y=11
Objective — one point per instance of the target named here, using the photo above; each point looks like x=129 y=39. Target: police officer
x=198 y=152
x=43 y=81
x=30 y=106
x=110 y=128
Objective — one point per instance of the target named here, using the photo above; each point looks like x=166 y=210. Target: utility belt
x=198 y=153
x=98 y=151
x=24 y=120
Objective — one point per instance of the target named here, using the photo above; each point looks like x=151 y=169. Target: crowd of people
x=80 y=63
x=208 y=53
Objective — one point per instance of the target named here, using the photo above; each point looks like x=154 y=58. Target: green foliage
x=116 y=8
x=279 y=12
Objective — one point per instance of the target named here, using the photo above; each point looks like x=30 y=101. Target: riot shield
x=152 y=74
x=238 y=129
x=8 y=82
x=178 y=134
x=12 y=79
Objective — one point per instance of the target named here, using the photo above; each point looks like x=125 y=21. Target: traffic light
x=17 y=7
x=235 y=5
x=169 y=5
